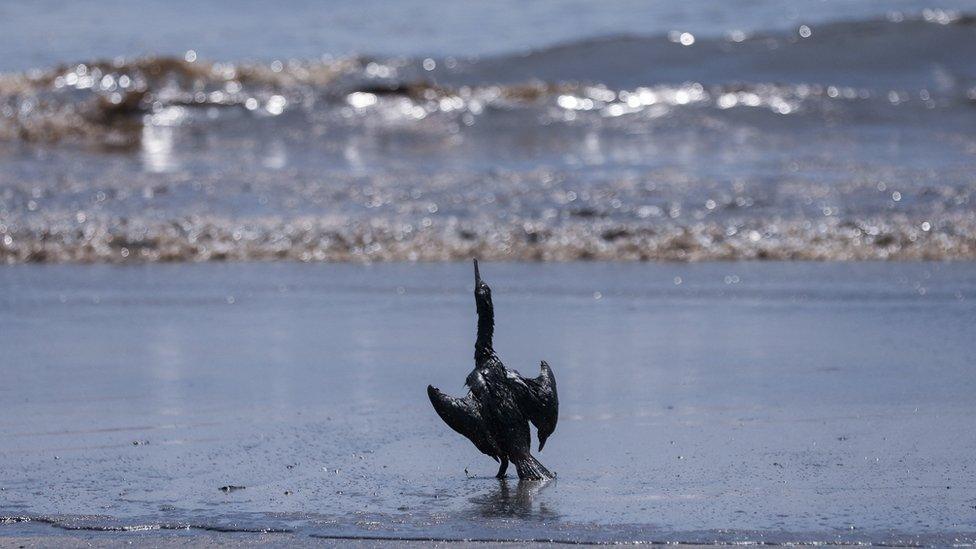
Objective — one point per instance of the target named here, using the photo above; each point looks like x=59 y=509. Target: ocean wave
x=932 y=51
x=848 y=70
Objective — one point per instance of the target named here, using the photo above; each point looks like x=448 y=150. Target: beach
x=236 y=244
x=713 y=402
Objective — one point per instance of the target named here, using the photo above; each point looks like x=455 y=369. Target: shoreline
x=45 y=531
x=165 y=539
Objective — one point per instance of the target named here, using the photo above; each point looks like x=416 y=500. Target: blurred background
x=526 y=131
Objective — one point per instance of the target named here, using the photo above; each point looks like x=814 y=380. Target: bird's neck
x=486 y=329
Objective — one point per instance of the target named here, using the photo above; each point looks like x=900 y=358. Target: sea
x=541 y=131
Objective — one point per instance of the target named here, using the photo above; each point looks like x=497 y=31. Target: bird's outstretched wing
x=464 y=416
x=538 y=399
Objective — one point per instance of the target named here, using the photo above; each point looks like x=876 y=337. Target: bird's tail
x=529 y=468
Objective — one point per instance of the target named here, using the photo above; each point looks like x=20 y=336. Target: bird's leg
x=502 y=468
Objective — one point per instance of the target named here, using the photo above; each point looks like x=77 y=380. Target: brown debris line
x=322 y=240
x=114 y=118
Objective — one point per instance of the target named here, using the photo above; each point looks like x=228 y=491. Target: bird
x=500 y=404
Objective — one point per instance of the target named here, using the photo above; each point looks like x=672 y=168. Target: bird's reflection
x=521 y=501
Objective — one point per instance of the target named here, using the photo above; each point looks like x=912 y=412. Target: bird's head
x=482 y=293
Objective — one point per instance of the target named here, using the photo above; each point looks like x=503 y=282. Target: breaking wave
x=924 y=62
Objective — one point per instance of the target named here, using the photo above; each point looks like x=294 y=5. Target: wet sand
x=701 y=403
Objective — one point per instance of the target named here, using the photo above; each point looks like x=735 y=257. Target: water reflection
x=521 y=501
x=157 y=149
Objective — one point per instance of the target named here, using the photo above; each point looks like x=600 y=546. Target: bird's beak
x=541 y=444
x=477 y=274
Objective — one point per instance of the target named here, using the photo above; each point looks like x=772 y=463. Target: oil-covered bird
x=500 y=403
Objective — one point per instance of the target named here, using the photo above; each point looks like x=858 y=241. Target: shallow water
x=704 y=402
x=612 y=132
